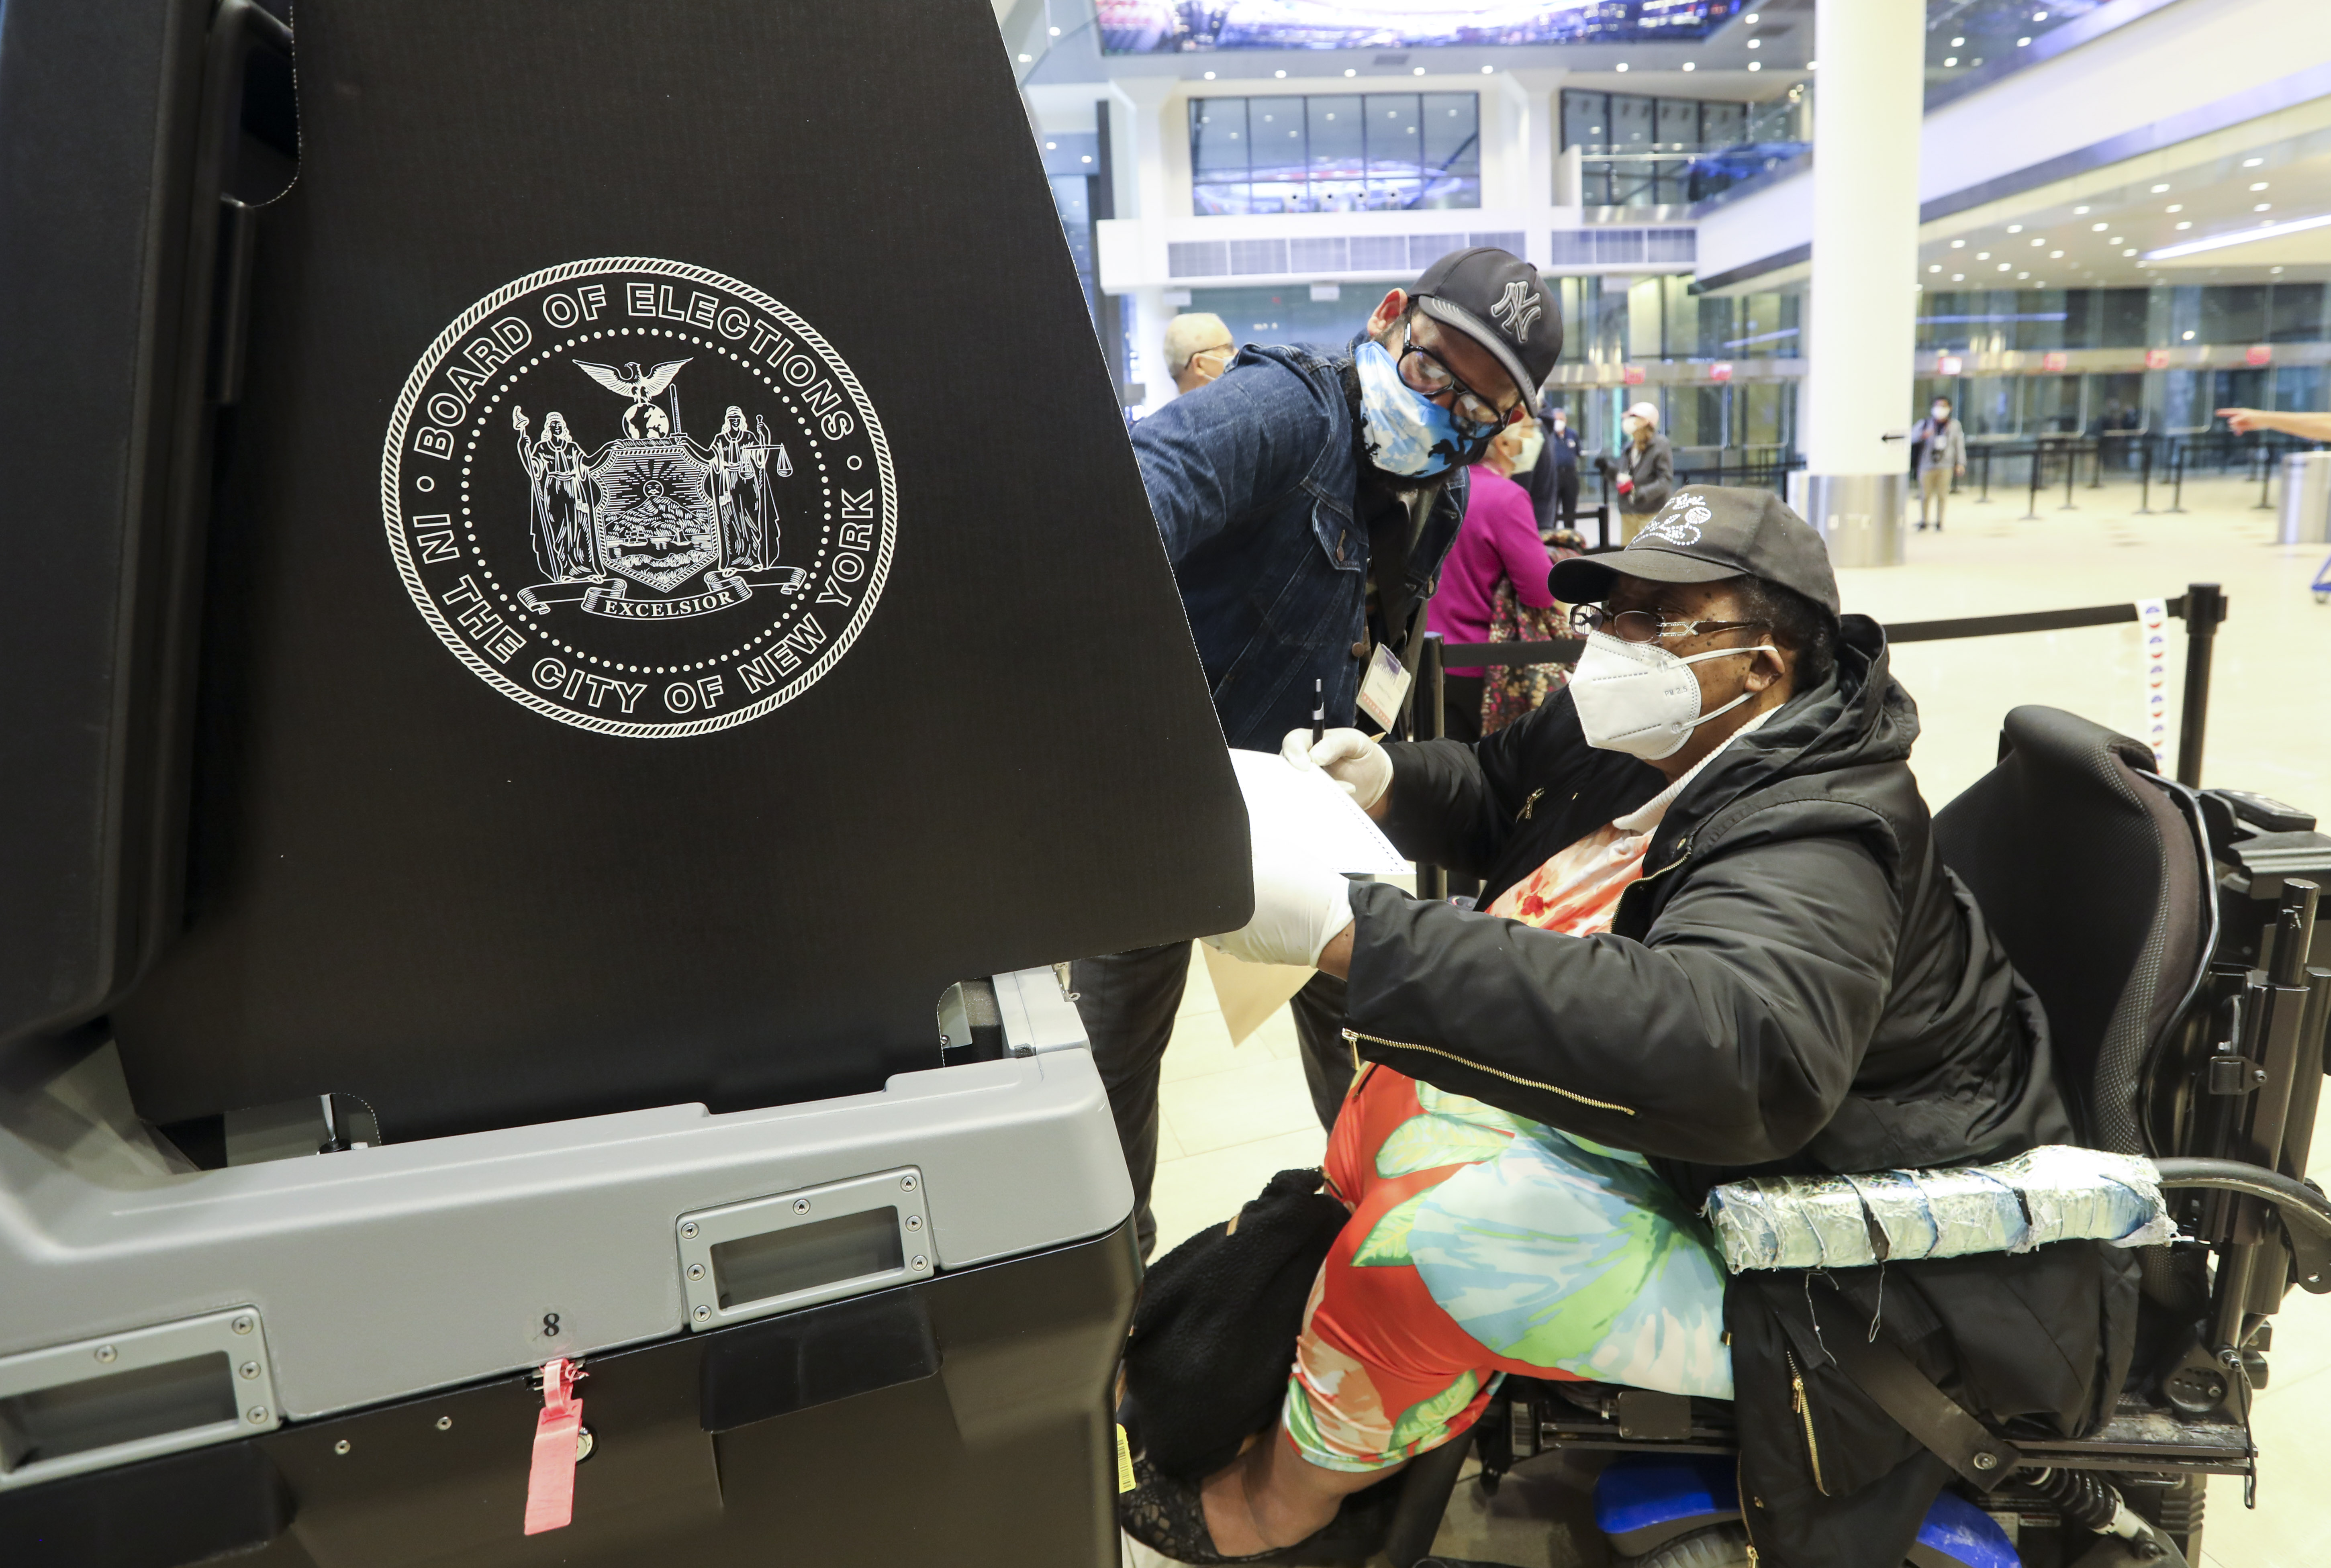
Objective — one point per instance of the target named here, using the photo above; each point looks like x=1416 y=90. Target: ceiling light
x=1756 y=43
x=2014 y=228
x=1024 y=59
x=2116 y=240
x=2021 y=41
x=1983 y=255
x=2252 y=163
x=1280 y=74
x=1949 y=61
x=1935 y=267
x=1489 y=71
x=2257 y=185
x=1210 y=75
x=2189 y=335
x=1418 y=72
x=1957 y=42
x=1750 y=19
x=1056 y=32
x=1051 y=146
x=2264 y=207
x=2274 y=269
x=1347 y=72
x=1621 y=66
x=2055 y=255
x=2186 y=225
x=2158 y=189
x=2077 y=211
x=1088 y=157
x=2039 y=16
x=2174 y=207
x=1958 y=244
x=2130 y=251
x=1811 y=64
x=2098 y=228
x=2007 y=266
x=2039 y=241
x=1958 y=277
x=1756 y=65
x=1687 y=65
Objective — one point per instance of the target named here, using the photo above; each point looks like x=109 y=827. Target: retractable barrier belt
x=2202 y=607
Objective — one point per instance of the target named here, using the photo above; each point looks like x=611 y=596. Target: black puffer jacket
x=1795 y=984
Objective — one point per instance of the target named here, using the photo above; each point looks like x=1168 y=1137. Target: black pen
x=1319 y=711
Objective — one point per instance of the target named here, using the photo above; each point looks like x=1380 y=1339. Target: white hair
x=1188 y=333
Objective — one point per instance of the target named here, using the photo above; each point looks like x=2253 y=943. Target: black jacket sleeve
x=1729 y=1036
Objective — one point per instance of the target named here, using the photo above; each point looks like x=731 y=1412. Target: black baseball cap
x=1708 y=532
x=1499 y=301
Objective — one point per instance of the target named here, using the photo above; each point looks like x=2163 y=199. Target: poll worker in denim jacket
x=1305 y=500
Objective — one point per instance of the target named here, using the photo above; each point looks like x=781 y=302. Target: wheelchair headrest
x=2093 y=871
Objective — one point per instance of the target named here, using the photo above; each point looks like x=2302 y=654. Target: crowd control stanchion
x=2266 y=478
x=2031 y=502
x=2071 y=472
x=2145 y=478
x=1984 y=498
x=1430 y=723
x=2203 y=606
x=2176 y=477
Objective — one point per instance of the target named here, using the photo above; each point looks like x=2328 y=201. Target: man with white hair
x=1198 y=348
x=1646 y=470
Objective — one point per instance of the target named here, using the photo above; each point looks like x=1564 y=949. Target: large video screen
x=1196 y=26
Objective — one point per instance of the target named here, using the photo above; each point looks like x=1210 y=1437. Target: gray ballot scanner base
x=331 y=1353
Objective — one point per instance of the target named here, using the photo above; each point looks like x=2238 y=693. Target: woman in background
x=1498 y=545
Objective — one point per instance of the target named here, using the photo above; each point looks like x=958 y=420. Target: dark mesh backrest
x=2088 y=867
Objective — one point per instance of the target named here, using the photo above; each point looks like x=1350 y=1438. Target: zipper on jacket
x=1353 y=1037
x=1531 y=804
x=1740 y=1489
x=1803 y=1407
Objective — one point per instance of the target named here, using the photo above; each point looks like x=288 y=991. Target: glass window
x=1218 y=155
x=1395 y=158
x=1723 y=124
x=1338 y=169
x=1585 y=119
x=2233 y=313
x=1634 y=123
x=1451 y=133
x=1676 y=122
x=1377 y=152
x=2294 y=315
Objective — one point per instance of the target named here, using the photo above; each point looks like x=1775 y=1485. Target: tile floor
x=1232 y=1117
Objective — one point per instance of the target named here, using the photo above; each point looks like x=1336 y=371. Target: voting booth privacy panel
x=555 y=639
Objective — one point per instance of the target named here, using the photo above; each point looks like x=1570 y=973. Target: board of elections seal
x=639 y=497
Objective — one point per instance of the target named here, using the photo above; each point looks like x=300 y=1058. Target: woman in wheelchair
x=1716 y=940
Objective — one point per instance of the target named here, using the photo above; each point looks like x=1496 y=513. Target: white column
x=1860 y=326
x=1147 y=313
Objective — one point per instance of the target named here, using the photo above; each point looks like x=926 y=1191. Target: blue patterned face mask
x=1406 y=433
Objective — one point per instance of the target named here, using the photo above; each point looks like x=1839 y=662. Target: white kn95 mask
x=1640 y=698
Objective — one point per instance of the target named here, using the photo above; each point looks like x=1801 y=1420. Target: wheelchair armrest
x=2304 y=1211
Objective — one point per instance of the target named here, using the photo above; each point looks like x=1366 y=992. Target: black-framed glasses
x=1645 y=625
x=1424 y=371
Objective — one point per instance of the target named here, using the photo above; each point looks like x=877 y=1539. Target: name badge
x=1385 y=688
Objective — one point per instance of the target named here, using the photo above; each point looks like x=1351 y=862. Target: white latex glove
x=1298 y=907
x=1346 y=756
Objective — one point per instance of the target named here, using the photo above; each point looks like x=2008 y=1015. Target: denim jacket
x=1252 y=478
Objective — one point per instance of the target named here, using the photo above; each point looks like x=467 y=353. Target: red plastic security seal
x=550 y=1481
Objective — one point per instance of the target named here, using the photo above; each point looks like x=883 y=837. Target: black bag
x=1205 y=1364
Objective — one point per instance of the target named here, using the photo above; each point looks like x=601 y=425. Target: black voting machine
x=561 y=634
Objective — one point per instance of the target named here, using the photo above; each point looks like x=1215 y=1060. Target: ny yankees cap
x=1708 y=532
x=1499 y=301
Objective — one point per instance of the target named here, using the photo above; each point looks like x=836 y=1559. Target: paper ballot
x=1306 y=812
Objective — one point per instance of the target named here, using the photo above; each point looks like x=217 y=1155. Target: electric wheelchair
x=2172 y=935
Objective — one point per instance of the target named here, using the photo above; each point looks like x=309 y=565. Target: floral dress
x=1482 y=1243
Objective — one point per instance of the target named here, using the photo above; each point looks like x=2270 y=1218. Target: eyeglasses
x=1476 y=416
x=1645 y=625
x=1224 y=351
